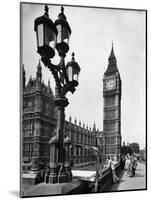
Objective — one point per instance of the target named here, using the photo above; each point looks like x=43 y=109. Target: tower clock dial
x=110 y=84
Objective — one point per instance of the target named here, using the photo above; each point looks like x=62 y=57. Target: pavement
x=135 y=183
x=44 y=189
x=84 y=175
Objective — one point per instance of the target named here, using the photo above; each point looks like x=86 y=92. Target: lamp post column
x=97 y=173
x=51 y=174
x=61 y=102
x=67 y=142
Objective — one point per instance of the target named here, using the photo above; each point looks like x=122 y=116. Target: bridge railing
x=106 y=181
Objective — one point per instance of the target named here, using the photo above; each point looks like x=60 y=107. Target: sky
x=93 y=30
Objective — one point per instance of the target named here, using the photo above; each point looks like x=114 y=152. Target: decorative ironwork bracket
x=60 y=75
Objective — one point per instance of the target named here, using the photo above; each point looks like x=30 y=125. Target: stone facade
x=39 y=122
x=81 y=137
x=112 y=109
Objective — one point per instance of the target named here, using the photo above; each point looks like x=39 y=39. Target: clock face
x=110 y=84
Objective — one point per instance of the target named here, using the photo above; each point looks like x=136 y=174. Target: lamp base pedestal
x=68 y=172
x=51 y=175
x=61 y=174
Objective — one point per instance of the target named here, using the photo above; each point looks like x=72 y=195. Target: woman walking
x=127 y=164
x=131 y=166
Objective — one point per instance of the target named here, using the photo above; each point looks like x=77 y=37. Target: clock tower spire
x=112 y=108
x=112 y=63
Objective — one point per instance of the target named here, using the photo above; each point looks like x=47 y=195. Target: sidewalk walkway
x=128 y=183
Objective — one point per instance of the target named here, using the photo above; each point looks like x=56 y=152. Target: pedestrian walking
x=131 y=166
x=111 y=165
x=127 y=164
x=134 y=165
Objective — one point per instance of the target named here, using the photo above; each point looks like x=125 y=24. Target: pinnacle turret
x=70 y=119
x=39 y=73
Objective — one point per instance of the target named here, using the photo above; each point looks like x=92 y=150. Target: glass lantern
x=64 y=32
x=73 y=71
x=46 y=36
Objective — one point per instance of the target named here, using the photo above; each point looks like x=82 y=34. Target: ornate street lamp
x=50 y=36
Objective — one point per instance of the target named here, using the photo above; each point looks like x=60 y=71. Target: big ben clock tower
x=112 y=109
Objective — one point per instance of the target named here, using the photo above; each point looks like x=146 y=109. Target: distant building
x=125 y=149
x=39 y=124
x=143 y=154
x=134 y=147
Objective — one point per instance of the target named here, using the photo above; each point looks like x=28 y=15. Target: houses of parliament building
x=39 y=121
